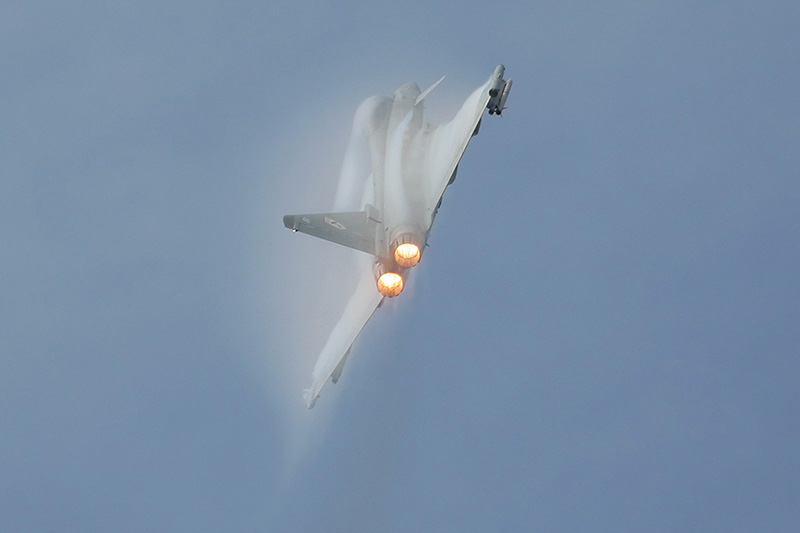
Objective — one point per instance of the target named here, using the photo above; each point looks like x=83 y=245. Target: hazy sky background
x=603 y=335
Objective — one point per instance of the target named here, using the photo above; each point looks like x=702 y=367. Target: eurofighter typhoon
x=411 y=162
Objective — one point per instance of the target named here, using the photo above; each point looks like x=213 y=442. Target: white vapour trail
x=355 y=184
x=356 y=167
x=315 y=293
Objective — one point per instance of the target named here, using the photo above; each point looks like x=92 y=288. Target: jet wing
x=359 y=310
x=449 y=142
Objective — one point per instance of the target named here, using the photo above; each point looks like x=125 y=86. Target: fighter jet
x=411 y=163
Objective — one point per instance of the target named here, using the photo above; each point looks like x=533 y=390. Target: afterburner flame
x=407 y=254
x=390 y=284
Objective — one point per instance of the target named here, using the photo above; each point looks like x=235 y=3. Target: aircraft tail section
x=355 y=229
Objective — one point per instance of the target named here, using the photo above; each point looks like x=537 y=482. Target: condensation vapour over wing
x=320 y=163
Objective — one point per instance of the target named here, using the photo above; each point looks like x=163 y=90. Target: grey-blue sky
x=602 y=335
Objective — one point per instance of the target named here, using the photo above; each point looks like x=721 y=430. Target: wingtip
x=310 y=401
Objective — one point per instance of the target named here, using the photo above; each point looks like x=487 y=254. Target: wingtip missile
x=503 y=97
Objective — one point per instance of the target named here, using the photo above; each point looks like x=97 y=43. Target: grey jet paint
x=412 y=162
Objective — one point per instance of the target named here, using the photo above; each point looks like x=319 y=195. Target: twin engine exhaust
x=405 y=252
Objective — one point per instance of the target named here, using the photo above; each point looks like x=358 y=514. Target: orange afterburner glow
x=390 y=284
x=407 y=254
